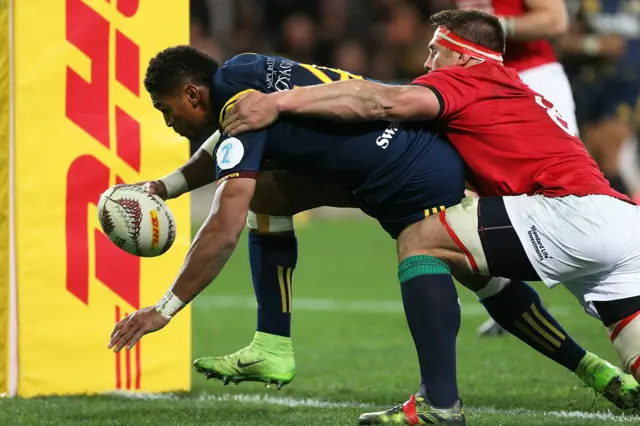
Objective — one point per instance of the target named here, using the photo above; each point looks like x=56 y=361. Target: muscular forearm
x=208 y=254
x=199 y=170
x=536 y=24
x=352 y=100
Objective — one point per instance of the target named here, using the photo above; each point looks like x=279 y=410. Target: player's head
x=178 y=80
x=465 y=37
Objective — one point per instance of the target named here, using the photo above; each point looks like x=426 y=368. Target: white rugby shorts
x=590 y=244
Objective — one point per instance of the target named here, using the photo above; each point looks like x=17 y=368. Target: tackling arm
x=216 y=240
x=360 y=100
x=544 y=19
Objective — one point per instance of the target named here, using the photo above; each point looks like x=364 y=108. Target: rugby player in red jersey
x=529 y=25
x=549 y=213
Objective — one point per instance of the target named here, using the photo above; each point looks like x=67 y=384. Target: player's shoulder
x=242 y=68
x=240 y=74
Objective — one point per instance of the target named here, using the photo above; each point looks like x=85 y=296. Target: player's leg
x=488 y=244
x=622 y=319
x=593 y=255
x=518 y=308
x=273 y=257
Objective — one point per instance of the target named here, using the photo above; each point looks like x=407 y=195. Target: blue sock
x=518 y=309
x=433 y=312
x=273 y=259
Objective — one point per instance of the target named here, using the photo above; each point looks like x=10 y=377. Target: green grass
x=361 y=359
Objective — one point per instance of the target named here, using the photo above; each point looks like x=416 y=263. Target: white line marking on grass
x=317 y=403
x=345 y=306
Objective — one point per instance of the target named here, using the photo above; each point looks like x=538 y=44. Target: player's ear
x=463 y=58
x=193 y=94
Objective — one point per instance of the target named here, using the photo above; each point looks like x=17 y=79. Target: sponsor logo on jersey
x=390 y=132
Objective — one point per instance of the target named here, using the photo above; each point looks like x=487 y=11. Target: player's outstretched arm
x=351 y=100
x=544 y=19
x=197 y=172
x=217 y=238
x=208 y=254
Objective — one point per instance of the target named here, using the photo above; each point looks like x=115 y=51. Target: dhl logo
x=87 y=177
x=155 y=229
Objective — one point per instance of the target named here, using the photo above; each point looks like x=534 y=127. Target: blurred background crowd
x=387 y=40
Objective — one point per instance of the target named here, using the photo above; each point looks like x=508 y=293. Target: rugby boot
x=268 y=359
x=619 y=388
x=416 y=411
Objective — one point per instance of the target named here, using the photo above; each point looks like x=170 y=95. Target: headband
x=458 y=44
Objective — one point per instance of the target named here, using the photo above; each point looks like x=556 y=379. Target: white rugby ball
x=136 y=221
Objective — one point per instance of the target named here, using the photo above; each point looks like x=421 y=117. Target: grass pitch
x=353 y=353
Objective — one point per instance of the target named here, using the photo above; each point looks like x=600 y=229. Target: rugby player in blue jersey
x=395 y=173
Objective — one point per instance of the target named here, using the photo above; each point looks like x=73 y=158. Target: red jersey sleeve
x=454 y=91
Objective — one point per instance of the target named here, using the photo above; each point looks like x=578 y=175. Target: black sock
x=433 y=312
x=273 y=259
x=518 y=309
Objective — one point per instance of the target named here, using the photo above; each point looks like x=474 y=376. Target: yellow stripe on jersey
x=232 y=100
x=317 y=73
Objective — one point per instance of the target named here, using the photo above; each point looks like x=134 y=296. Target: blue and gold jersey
x=396 y=172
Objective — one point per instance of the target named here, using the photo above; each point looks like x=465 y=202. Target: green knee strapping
x=414 y=266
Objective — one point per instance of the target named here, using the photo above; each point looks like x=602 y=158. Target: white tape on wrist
x=169 y=305
x=209 y=145
x=175 y=183
x=269 y=224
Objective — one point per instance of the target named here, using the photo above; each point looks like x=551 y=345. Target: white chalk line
x=317 y=403
x=469 y=309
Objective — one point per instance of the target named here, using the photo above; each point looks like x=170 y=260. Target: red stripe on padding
x=409 y=409
x=454 y=237
x=635 y=366
x=621 y=325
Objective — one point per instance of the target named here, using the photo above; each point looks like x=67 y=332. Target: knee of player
x=625 y=336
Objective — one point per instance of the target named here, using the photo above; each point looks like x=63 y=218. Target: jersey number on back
x=555 y=115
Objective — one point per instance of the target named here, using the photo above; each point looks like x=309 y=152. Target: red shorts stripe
x=454 y=237
x=621 y=325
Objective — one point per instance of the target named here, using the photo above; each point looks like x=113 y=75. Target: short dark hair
x=474 y=25
x=178 y=65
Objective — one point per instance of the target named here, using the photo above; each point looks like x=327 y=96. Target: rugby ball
x=136 y=221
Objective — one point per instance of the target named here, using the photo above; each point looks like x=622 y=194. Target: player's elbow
x=559 y=24
x=557 y=21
